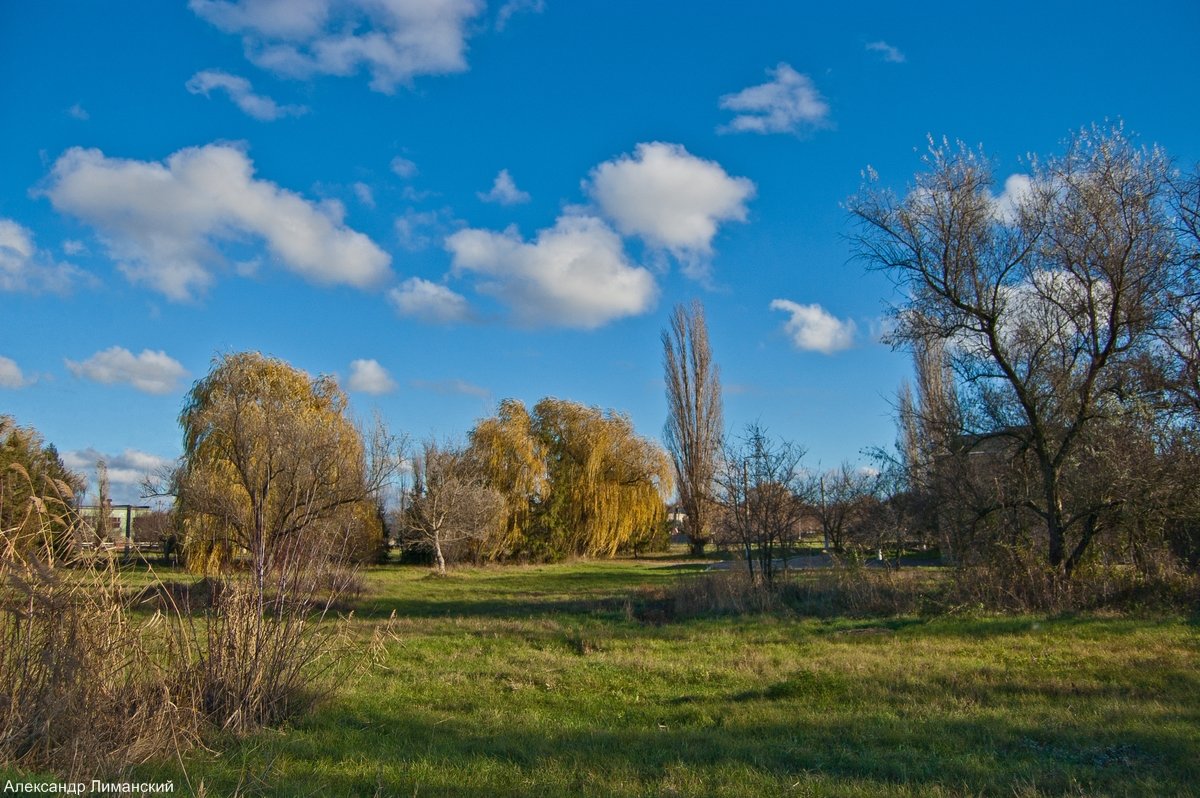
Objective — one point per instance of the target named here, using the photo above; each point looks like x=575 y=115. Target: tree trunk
x=437 y=552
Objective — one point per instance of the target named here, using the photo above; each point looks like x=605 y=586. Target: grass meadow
x=546 y=681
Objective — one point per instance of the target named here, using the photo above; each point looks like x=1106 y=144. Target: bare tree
x=451 y=502
x=1180 y=364
x=837 y=500
x=761 y=492
x=930 y=431
x=1043 y=305
x=694 y=418
x=102 y=519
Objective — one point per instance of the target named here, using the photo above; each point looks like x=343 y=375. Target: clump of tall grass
x=94 y=679
x=255 y=659
x=80 y=691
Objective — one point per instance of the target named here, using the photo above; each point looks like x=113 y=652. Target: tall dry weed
x=95 y=679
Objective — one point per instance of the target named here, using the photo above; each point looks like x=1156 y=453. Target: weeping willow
x=269 y=457
x=577 y=480
x=512 y=460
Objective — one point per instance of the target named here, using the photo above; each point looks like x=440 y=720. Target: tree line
x=1052 y=419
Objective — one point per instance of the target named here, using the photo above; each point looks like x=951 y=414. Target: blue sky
x=449 y=202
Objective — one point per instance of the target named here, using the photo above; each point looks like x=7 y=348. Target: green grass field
x=540 y=681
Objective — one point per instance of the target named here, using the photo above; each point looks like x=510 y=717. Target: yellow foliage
x=577 y=480
x=269 y=456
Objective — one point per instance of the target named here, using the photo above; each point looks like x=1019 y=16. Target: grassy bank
x=542 y=681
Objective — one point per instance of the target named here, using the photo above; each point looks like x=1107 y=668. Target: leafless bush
x=256 y=658
x=864 y=592
x=1013 y=581
x=842 y=590
x=732 y=592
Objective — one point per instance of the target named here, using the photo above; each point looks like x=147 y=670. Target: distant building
x=117 y=531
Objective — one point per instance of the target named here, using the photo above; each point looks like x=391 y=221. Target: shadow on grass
x=407 y=752
x=521 y=593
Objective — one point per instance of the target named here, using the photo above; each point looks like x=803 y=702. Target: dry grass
x=81 y=692
x=96 y=678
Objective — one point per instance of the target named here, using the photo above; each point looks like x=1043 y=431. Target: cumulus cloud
x=888 y=52
x=504 y=191
x=670 y=198
x=1017 y=188
x=403 y=167
x=430 y=302
x=126 y=470
x=25 y=268
x=367 y=376
x=162 y=222
x=814 y=329
x=451 y=388
x=242 y=94
x=150 y=372
x=575 y=274
x=11 y=375
x=77 y=111
x=788 y=103
x=393 y=40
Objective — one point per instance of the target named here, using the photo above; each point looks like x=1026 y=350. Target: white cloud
x=242 y=94
x=814 y=329
x=367 y=376
x=25 y=268
x=77 y=111
x=430 y=302
x=72 y=247
x=364 y=194
x=126 y=470
x=11 y=375
x=162 y=222
x=393 y=40
x=151 y=372
x=504 y=191
x=572 y=275
x=451 y=388
x=514 y=7
x=1017 y=188
x=403 y=167
x=670 y=198
x=785 y=104
x=890 y=54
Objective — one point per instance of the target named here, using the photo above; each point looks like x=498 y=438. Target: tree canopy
x=270 y=459
x=1046 y=305
x=577 y=480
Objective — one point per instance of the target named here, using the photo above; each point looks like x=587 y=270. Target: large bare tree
x=1043 y=299
x=695 y=420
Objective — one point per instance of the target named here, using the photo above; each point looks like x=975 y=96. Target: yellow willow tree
x=271 y=467
x=511 y=459
x=577 y=480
